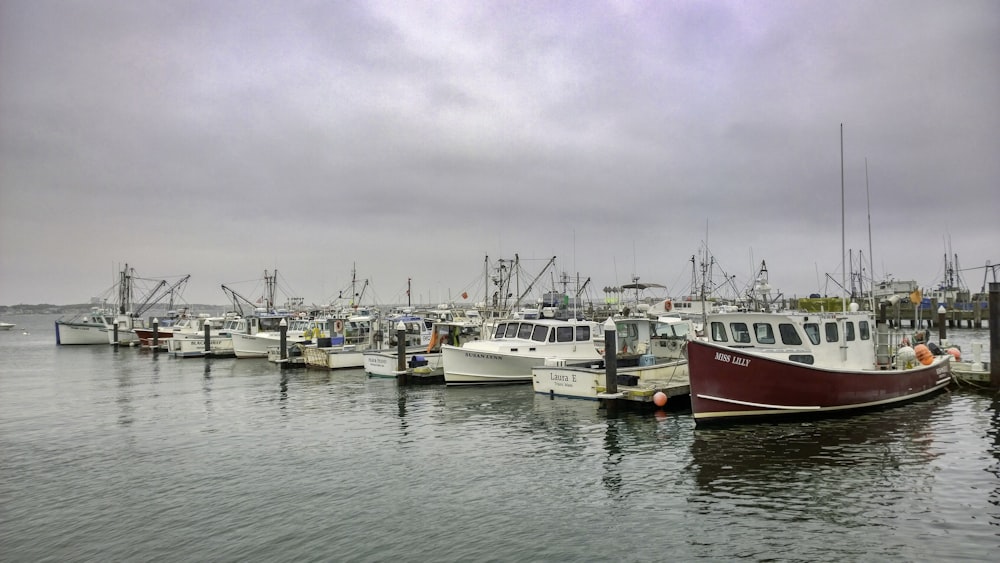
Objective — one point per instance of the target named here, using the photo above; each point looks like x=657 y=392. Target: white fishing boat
x=649 y=356
x=447 y=326
x=265 y=332
x=6 y=326
x=191 y=343
x=516 y=346
x=89 y=328
x=98 y=326
x=350 y=339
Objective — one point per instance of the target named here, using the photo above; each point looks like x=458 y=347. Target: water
x=125 y=456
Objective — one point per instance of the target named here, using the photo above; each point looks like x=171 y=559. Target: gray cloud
x=224 y=138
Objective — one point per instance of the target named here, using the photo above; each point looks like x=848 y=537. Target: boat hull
x=730 y=384
x=194 y=347
x=385 y=363
x=582 y=381
x=470 y=366
x=336 y=357
x=73 y=334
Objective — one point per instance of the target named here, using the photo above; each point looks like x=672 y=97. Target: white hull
x=6 y=326
x=337 y=357
x=488 y=362
x=71 y=334
x=194 y=347
x=582 y=381
x=256 y=345
x=384 y=363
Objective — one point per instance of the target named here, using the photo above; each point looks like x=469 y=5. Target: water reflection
x=863 y=465
x=994 y=433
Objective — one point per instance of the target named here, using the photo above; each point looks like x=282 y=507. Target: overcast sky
x=221 y=139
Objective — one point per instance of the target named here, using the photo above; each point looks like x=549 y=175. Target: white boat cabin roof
x=546 y=330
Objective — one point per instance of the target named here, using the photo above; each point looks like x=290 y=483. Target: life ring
x=338 y=326
x=668 y=305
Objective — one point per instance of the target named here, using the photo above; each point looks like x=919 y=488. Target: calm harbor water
x=126 y=456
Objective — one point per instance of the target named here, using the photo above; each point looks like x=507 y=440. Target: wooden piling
x=610 y=357
x=942 y=314
x=994 y=322
x=283 y=341
x=401 y=373
x=156 y=335
x=208 y=337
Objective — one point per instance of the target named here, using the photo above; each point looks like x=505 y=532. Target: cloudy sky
x=412 y=140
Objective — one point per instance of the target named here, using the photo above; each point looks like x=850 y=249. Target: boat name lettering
x=562 y=377
x=941 y=370
x=483 y=356
x=735 y=360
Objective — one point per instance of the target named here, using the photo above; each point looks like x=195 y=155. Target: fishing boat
x=6 y=326
x=763 y=364
x=756 y=365
x=516 y=346
x=447 y=326
x=88 y=328
x=116 y=323
x=349 y=339
x=651 y=359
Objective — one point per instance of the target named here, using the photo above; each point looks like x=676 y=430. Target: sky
x=395 y=141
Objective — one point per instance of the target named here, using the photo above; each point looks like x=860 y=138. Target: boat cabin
x=809 y=339
x=543 y=330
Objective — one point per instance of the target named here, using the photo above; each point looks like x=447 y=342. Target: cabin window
x=849 y=331
x=865 y=331
x=832 y=334
x=719 y=332
x=789 y=336
x=564 y=334
x=538 y=335
x=511 y=330
x=500 y=331
x=764 y=332
x=525 y=331
x=802 y=358
x=812 y=331
x=740 y=332
x=582 y=333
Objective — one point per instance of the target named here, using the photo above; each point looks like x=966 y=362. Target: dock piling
x=942 y=324
x=156 y=335
x=401 y=352
x=283 y=340
x=610 y=357
x=994 y=322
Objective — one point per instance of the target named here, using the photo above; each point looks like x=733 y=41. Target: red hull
x=728 y=384
x=145 y=335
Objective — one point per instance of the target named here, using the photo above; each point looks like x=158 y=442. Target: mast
x=871 y=263
x=843 y=235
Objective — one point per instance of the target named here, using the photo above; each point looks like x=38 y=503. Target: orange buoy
x=923 y=353
x=660 y=398
x=668 y=305
x=955 y=353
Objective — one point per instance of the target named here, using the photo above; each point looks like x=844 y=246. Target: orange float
x=955 y=353
x=923 y=353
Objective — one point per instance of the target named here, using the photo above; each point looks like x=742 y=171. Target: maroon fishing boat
x=762 y=365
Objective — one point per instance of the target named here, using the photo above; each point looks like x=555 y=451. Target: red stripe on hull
x=727 y=383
